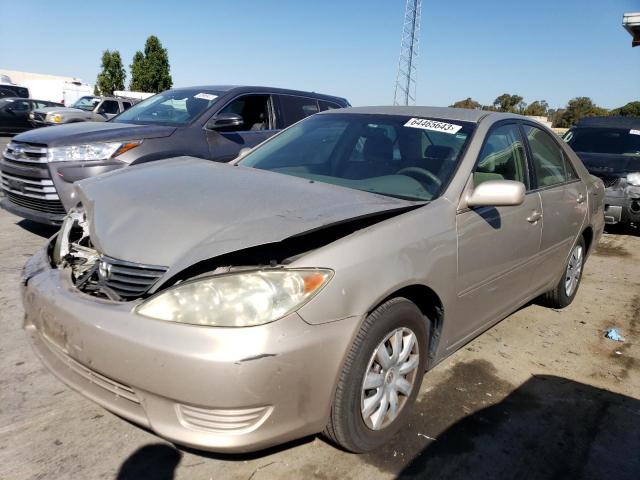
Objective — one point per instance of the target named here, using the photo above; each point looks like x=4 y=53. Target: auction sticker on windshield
x=205 y=96
x=434 y=125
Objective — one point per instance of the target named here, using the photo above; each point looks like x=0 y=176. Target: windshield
x=173 y=107
x=619 y=141
x=397 y=156
x=86 y=103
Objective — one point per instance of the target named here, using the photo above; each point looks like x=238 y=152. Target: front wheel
x=565 y=291
x=381 y=377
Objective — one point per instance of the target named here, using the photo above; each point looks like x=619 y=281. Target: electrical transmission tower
x=405 y=92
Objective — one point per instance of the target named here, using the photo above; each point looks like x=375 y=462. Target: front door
x=258 y=125
x=497 y=246
x=564 y=203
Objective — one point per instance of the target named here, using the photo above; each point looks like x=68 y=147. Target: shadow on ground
x=475 y=425
x=548 y=428
x=39 y=229
x=157 y=462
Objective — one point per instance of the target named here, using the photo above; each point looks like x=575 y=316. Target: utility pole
x=405 y=91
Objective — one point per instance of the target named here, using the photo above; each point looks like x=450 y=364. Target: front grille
x=39 y=116
x=117 y=388
x=54 y=207
x=223 y=420
x=39 y=188
x=26 y=154
x=126 y=279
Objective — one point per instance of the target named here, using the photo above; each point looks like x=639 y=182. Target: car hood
x=609 y=165
x=180 y=211
x=90 y=132
x=60 y=110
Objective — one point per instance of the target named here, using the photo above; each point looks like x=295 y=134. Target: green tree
x=631 y=109
x=112 y=74
x=509 y=103
x=150 y=71
x=466 y=103
x=578 y=108
x=137 y=69
x=538 y=108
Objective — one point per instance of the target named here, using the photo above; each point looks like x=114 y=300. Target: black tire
x=558 y=297
x=346 y=426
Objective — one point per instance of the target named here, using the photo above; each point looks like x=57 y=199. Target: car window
x=109 y=107
x=549 y=161
x=617 y=141
x=254 y=110
x=20 y=106
x=294 y=109
x=380 y=154
x=502 y=157
x=42 y=105
x=126 y=105
x=173 y=107
x=324 y=105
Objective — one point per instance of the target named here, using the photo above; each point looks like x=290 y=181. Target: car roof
x=32 y=99
x=257 y=88
x=610 y=122
x=459 y=114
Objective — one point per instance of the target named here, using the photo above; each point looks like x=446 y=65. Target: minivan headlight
x=88 y=152
x=633 y=179
x=240 y=299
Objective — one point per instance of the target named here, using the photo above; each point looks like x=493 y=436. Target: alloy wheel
x=574 y=270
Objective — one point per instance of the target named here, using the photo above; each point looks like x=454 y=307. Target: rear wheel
x=565 y=291
x=381 y=377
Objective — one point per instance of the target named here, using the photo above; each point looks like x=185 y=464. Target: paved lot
x=542 y=395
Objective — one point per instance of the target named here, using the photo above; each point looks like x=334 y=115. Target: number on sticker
x=434 y=125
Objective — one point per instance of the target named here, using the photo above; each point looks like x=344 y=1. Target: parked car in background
x=212 y=122
x=86 y=109
x=11 y=90
x=324 y=272
x=14 y=113
x=610 y=149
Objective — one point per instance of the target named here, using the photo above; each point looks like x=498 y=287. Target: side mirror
x=497 y=193
x=100 y=111
x=224 y=120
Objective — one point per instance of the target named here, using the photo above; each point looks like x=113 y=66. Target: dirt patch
x=611 y=250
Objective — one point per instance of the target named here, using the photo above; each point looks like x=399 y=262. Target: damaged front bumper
x=219 y=389
x=622 y=203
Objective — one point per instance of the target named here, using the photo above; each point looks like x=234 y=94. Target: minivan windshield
x=173 y=107
x=618 y=141
x=392 y=155
x=86 y=103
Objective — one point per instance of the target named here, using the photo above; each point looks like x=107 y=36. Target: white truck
x=58 y=90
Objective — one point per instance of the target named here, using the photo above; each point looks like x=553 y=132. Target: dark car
x=212 y=122
x=14 y=113
x=610 y=149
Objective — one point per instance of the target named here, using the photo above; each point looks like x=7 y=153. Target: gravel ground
x=541 y=395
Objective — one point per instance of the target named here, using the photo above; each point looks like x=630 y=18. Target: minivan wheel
x=565 y=291
x=381 y=377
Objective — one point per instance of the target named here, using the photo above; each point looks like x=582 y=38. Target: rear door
x=293 y=108
x=498 y=246
x=564 y=202
x=259 y=124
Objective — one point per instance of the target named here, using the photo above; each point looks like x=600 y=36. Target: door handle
x=580 y=198
x=534 y=217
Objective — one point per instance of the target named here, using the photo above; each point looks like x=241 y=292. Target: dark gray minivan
x=215 y=122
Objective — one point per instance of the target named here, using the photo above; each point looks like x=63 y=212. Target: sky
x=551 y=50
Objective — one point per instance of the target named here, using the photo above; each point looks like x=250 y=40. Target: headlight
x=633 y=179
x=240 y=299
x=92 y=151
x=53 y=118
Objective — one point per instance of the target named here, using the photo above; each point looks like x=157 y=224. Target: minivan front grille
x=53 y=207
